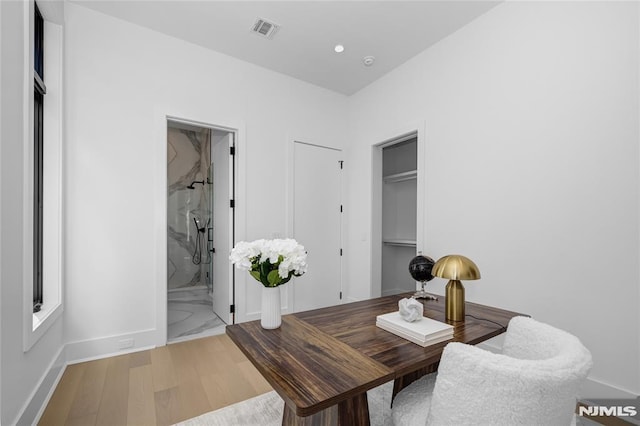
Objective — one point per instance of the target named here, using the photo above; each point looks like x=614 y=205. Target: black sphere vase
x=420 y=269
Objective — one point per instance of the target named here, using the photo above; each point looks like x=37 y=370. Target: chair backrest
x=533 y=382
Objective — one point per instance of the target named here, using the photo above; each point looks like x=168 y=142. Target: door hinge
x=340 y=252
x=340 y=208
x=340 y=295
x=341 y=163
x=232 y=309
x=232 y=203
x=232 y=150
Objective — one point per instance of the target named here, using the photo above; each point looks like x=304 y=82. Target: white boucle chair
x=533 y=382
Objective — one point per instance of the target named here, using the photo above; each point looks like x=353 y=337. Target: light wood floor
x=163 y=386
x=160 y=386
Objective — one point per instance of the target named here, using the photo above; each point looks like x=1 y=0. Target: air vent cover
x=264 y=28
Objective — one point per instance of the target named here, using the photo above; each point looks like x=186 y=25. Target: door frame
x=159 y=220
x=290 y=211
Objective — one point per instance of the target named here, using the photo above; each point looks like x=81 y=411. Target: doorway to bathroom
x=200 y=229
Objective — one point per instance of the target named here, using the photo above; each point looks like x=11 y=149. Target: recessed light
x=338 y=48
x=368 y=60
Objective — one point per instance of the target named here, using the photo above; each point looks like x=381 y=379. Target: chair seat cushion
x=411 y=406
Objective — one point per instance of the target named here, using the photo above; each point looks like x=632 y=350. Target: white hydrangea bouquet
x=272 y=262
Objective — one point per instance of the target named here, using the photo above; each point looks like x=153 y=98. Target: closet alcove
x=399 y=210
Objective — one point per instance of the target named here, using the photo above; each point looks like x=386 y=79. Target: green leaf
x=255 y=274
x=273 y=278
x=265 y=268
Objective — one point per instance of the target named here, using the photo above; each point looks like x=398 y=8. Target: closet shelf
x=400 y=177
x=400 y=243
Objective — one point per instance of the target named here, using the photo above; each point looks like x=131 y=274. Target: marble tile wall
x=189 y=159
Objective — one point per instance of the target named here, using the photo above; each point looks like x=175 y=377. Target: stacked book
x=423 y=332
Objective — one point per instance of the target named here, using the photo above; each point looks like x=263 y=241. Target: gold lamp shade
x=455 y=267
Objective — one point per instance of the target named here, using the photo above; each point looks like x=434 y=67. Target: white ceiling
x=392 y=31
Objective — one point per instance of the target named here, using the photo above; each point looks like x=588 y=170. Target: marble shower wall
x=189 y=159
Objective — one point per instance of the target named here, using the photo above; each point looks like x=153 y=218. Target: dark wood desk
x=322 y=362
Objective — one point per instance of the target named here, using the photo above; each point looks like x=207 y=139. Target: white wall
x=531 y=152
x=22 y=372
x=119 y=78
x=532 y=167
x=1 y=203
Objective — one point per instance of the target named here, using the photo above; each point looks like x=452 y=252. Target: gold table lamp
x=456 y=268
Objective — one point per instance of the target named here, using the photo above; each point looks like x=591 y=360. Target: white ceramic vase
x=271 y=316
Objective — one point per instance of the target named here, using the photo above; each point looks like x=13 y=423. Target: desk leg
x=404 y=381
x=352 y=412
x=324 y=417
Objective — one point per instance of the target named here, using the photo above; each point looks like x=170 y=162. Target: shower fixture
x=192 y=187
x=208 y=182
x=197 y=222
x=196 y=259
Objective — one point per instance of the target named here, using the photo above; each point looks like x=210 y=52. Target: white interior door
x=222 y=223
x=317 y=224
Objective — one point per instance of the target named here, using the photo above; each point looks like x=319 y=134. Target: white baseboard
x=596 y=389
x=88 y=350
x=75 y=352
x=39 y=398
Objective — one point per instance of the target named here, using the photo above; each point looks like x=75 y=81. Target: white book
x=391 y=327
x=412 y=339
x=422 y=329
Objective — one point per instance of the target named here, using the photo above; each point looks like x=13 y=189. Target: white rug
x=266 y=410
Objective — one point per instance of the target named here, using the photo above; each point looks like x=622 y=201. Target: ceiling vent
x=264 y=28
